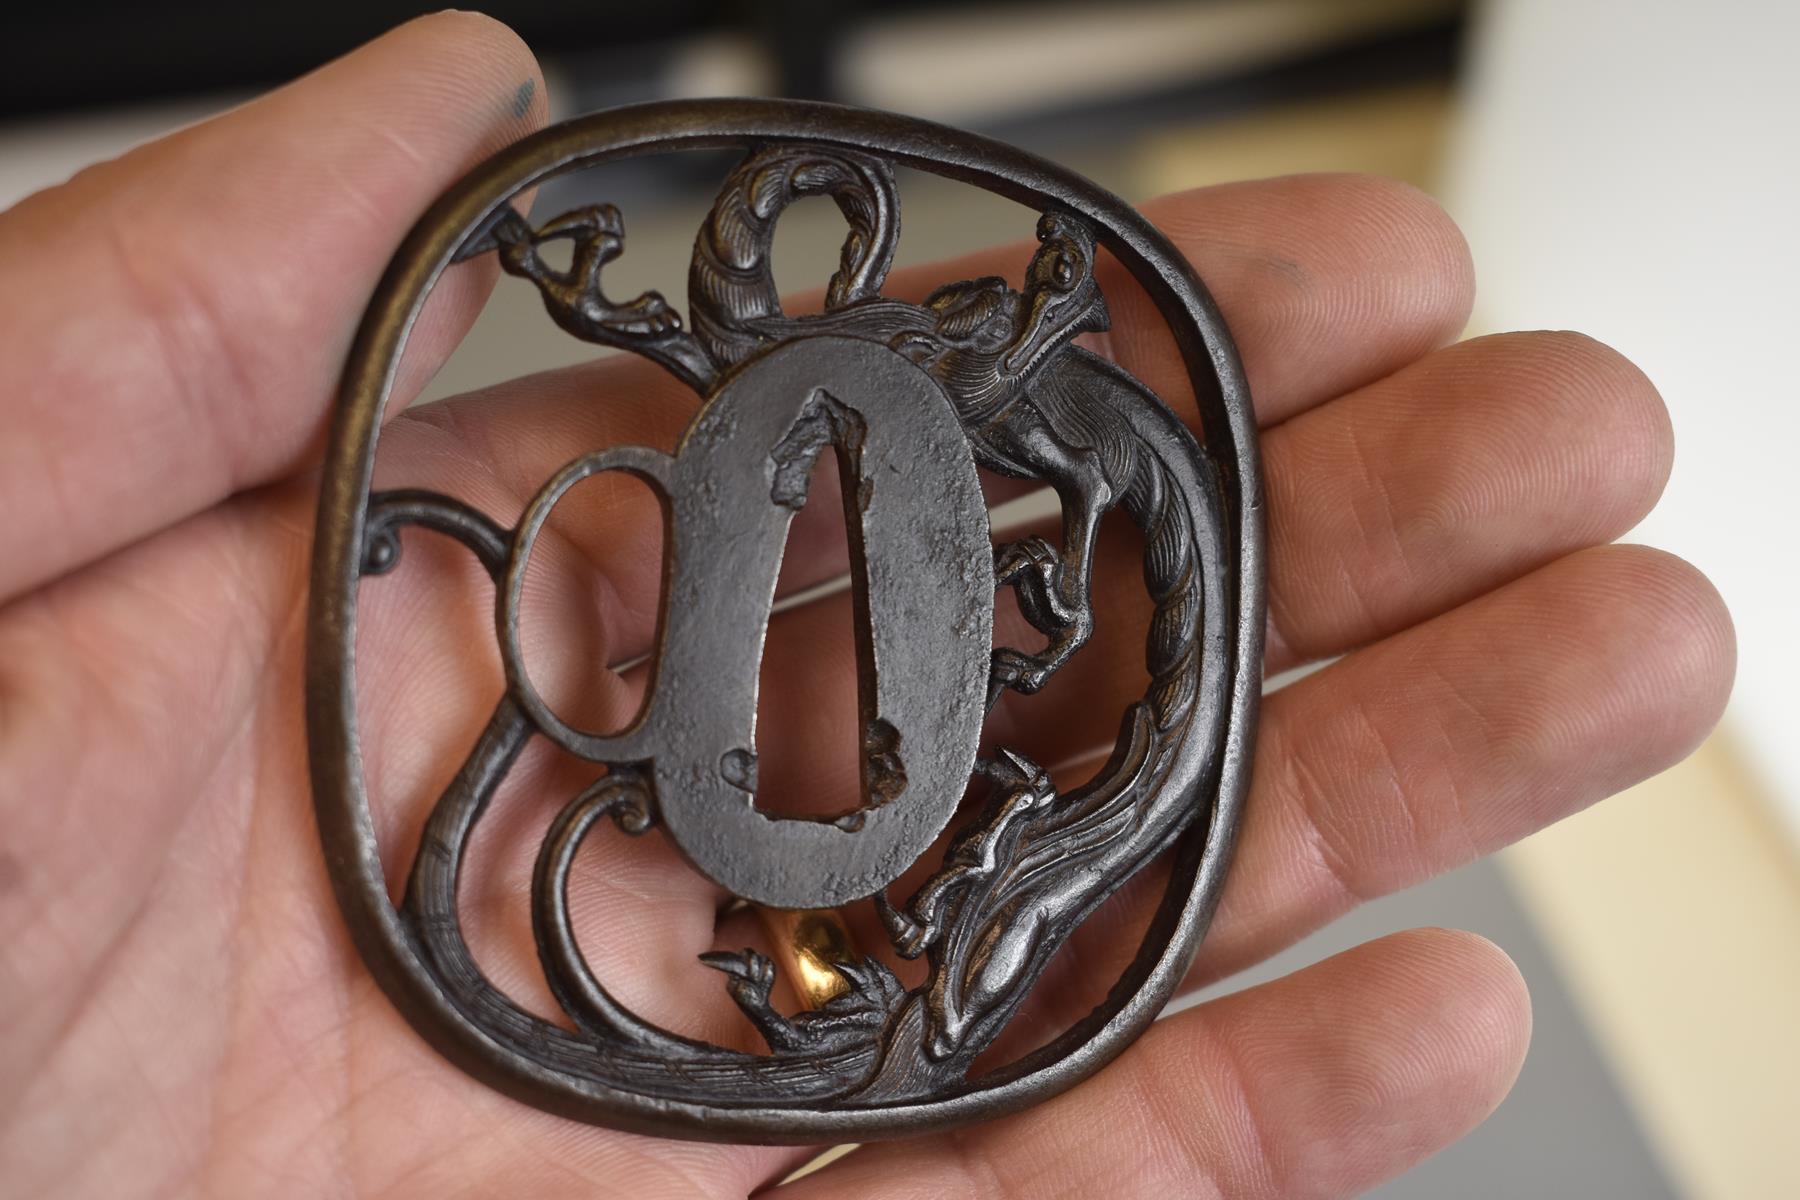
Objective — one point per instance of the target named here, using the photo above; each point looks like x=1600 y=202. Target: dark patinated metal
x=910 y=398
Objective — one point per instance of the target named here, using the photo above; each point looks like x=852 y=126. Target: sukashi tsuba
x=911 y=398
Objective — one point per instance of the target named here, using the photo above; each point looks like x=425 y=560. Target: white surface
x=953 y=65
x=1631 y=169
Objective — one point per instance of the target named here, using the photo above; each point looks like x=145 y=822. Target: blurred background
x=1628 y=168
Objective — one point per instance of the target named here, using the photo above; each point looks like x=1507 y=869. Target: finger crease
x=1310 y=795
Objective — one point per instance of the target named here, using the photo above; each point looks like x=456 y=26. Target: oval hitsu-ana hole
x=810 y=730
x=592 y=601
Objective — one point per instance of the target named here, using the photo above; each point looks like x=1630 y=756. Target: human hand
x=181 y=1011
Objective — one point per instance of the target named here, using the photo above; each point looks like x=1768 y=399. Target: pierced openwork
x=910 y=398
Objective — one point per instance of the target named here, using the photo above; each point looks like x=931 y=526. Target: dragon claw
x=749 y=976
x=1020 y=672
x=1038 y=575
x=1035 y=569
x=1037 y=572
x=588 y=220
x=1016 y=773
x=910 y=937
x=1027 y=554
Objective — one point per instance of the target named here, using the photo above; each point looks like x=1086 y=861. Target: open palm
x=180 y=1008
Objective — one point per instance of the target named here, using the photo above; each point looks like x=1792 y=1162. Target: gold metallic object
x=807 y=943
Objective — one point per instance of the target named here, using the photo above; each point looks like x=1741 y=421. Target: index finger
x=172 y=323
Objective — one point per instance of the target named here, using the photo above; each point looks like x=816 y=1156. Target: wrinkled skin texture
x=181 y=1012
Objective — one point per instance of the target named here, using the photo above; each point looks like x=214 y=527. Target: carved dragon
x=1033 y=863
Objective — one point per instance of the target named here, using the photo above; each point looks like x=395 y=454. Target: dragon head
x=1061 y=297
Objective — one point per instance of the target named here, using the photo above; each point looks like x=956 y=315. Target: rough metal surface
x=910 y=398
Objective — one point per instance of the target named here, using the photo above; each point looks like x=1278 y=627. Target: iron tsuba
x=912 y=398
